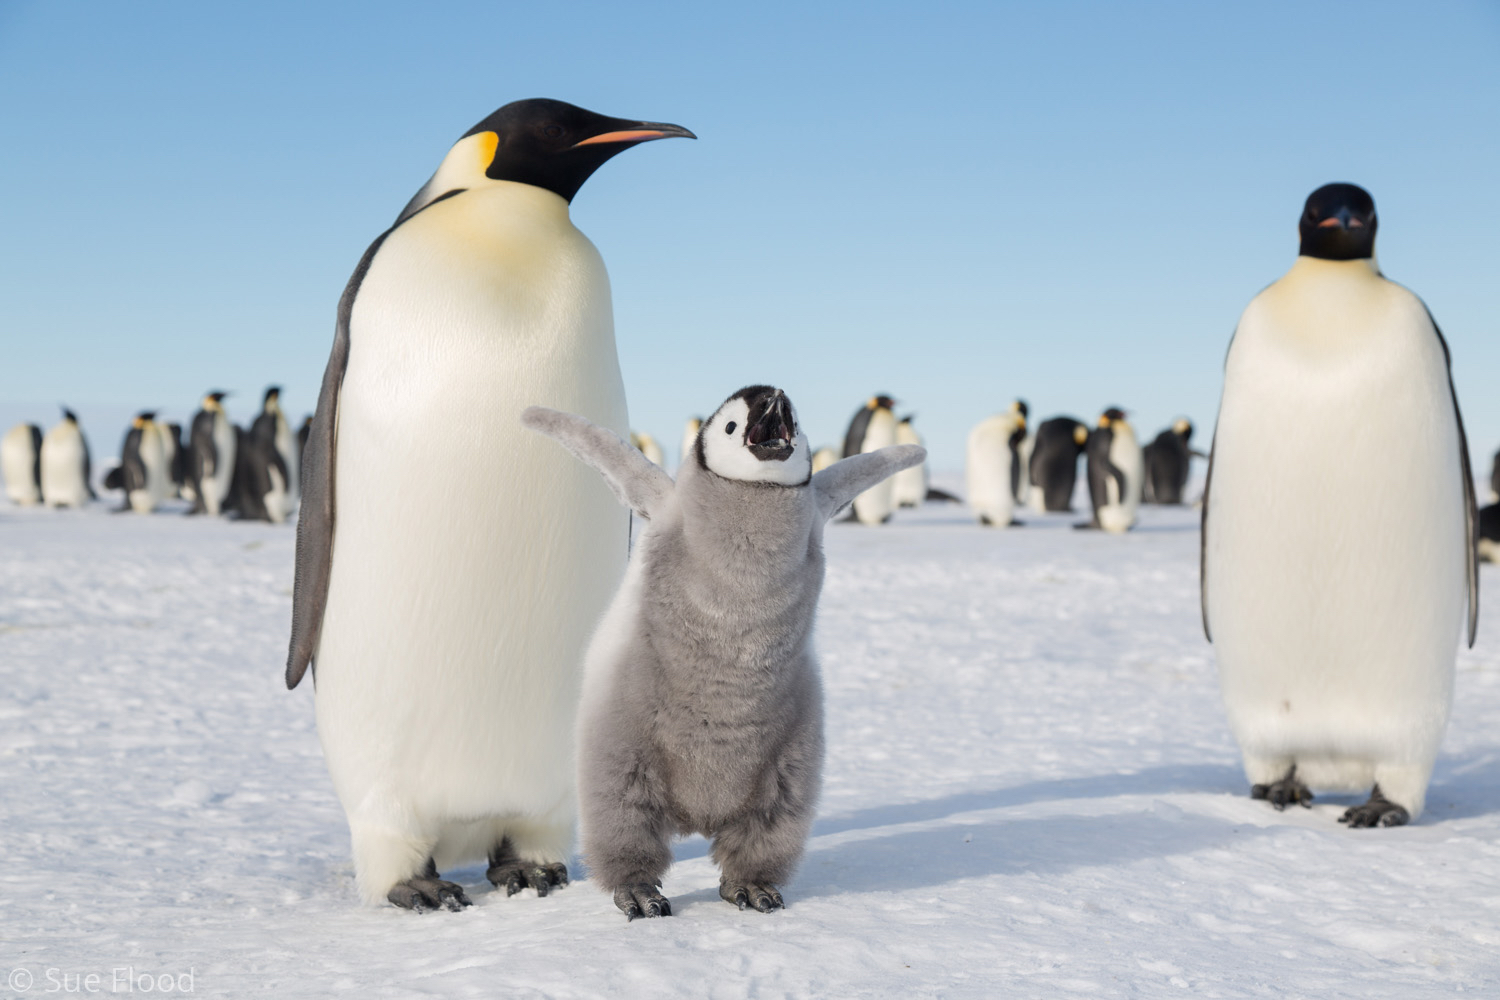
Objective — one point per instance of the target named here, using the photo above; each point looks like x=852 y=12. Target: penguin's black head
x=1020 y=407
x=880 y=402
x=1338 y=223
x=272 y=392
x=1111 y=415
x=556 y=145
x=754 y=437
x=1183 y=428
x=69 y=415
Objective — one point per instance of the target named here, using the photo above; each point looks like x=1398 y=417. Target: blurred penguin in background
x=176 y=456
x=211 y=456
x=1168 y=462
x=144 y=473
x=258 y=490
x=1339 y=567
x=66 y=467
x=992 y=466
x=873 y=428
x=911 y=482
x=689 y=438
x=1116 y=469
x=1054 y=463
x=1495 y=478
x=1022 y=490
x=302 y=433
x=823 y=458
x=21 y=464
x=646 y=445
x=272 y=426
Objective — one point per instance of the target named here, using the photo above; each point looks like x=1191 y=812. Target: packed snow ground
x=1030 y=791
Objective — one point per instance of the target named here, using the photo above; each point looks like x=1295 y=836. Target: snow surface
x=1030 y=791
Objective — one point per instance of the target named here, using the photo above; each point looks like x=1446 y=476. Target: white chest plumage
x=471 y=559
x=1335 y=544
x=63 y=466
x=1124 y=454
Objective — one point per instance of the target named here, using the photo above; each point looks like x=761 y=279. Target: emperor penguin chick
x=702 y=707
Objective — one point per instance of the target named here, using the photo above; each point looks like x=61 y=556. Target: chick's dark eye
x=729 y=427
x=553 y=131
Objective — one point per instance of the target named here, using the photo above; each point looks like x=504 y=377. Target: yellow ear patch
x=1080 y=434
x=488 y=143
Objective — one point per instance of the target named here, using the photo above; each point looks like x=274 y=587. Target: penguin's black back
x=1168 y=462
x=1054 y=461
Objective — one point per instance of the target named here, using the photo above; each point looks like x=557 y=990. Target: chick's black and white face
x=754 y=437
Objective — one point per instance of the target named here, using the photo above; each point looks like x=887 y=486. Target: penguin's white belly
x=286 y=446
x=471 y=558
x=987 y=471
x=216 y=483
x=62 y=468
x=1118 y=515
x=1336 y=540
x=875 y=504
x=18 y=465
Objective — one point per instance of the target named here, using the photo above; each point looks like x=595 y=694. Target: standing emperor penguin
x=823 y=458
x=67 y=470
x=992 y=466
x=272 y=427
x=1021 y=480
x=873 y=428
x=702 y=707
x=910 y=484
x=1169 y=460
x=211 y=454
x=21 y=464
x=1054 y=463
x=648 y=446
x=1338 y=565
x=145 y=472
x=450 y=566
x=1116 y=469
x=689 y=439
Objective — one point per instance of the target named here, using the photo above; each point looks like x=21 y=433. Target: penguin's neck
x=1318 y=269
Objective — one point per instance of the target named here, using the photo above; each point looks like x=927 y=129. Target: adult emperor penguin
x=1337 y=566
x=145 y=472
x=446 y=597
x=702 y=708
x=211 y=449
x=689 y=438
x=1054 y=462
x=1168 y=462
x=272 y=426
x=66 y=466
x=910 y=484
x=648 y=446
x=873 y=428
x=21 y=464
x=1116 y=469
x=1021 y=481
x=991 y=466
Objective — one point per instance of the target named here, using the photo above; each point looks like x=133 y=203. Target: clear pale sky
x=953 y=203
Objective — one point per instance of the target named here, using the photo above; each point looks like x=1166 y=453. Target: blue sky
x=953 y=203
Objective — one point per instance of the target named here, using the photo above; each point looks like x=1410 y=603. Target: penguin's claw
x=422 y=894
x=1379 y=811
x=517 y=875
x=642 y=899
x=1284 y=793
x=762 y=896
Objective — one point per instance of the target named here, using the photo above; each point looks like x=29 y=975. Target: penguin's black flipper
x=315 y=517
x=1378 y=811
x=114 y=479
x=36 y=457
x=1471 y=506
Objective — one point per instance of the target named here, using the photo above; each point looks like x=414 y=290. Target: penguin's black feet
x=761 y=895
x=516 y=873
x=1086 y=526
x=642 y=899
x=1287 y=791
x=1379 y=811
x=428 y=892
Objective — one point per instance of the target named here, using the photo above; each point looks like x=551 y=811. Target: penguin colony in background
x=246 y=474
